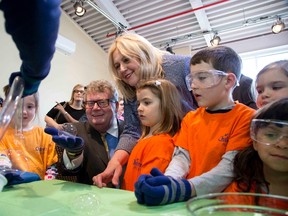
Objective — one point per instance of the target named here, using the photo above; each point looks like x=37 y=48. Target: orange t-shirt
x=208 y=136
x=34 y=153
x=154 y=151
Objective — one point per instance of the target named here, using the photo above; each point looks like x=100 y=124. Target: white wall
x=88 y=63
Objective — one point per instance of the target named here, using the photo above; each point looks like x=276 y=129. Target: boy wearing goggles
x=263 y=167
x=209 y=137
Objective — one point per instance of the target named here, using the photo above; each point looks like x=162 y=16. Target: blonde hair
x=170 y=101
x=101 y=86
x=136 y=47
x=72 y=93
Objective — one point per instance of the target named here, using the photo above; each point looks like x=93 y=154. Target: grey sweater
x=176 y=68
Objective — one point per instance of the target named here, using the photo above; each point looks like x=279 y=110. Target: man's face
x=100 y=117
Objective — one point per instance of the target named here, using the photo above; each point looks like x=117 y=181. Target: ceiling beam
x=109 y=7
x=202 y=20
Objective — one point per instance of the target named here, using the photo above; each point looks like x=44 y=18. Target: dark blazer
x=95 y=156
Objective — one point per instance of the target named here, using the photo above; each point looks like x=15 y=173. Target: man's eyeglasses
x=205 y=79
x=100 y=103
x=269 y=132
x=78 y=91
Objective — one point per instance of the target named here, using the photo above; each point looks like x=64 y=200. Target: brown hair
x=170 y=106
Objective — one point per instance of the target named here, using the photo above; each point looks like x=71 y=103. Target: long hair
x=72 y=93
x=248 y=166
x=136 y=47
x=170 y=106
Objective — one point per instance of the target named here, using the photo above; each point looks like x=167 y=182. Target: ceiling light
x=79 y=9
x=215 y=40
x=278 y=26
x=169 y=49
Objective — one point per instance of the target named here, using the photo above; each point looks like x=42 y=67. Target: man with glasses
x=87 y=154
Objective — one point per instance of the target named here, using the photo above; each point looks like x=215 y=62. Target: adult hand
x=19 y=177
x=60 y=108
x=67 y=141
x=112 y=173
x=158 y=189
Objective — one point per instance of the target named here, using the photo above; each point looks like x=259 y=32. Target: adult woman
x=65 y=112
x=131 y=59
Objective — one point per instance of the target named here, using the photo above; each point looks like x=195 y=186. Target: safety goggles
x=205 y=79
x=269 y=132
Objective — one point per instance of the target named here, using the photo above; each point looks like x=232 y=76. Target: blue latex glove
x=67 y=141
x=158 y=189
x=33 y=26
x=19 y=177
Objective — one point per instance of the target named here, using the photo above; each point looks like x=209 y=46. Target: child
x=209 y=136
x=159 y=110
x=272 y=82
x=34 y=151
x=263 y=167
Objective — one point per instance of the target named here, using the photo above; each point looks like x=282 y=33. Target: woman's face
x=271 y=85
x=78 y=94
x=127 y=68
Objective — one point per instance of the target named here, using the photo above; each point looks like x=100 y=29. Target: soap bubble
x=68 y=128
x=18 y=159
x=87 y=204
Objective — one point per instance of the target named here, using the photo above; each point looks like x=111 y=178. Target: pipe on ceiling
x=171 y=16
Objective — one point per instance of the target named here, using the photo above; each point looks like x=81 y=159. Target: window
x=253 y=62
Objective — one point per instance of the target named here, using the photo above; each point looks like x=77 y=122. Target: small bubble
x=88 y=203
x=68 y=128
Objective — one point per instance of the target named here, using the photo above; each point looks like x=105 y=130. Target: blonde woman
x=132 y=59
x=67 y=112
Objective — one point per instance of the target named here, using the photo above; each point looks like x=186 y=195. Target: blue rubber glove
x=159 y=189
x=67 y=141
x=33 y=26
x=19 y=177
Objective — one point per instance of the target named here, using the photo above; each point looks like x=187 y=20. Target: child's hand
x=67 y=141
x=158 y=189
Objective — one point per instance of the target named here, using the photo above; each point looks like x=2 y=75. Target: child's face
x=272 y=146
x=214 y=97
x=271 y=85
x=149 y=108
x=29 y=110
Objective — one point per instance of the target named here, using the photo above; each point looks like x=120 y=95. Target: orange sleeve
x=155 y=151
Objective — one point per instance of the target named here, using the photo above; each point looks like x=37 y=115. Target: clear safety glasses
x=205 y=79
x=269 y=132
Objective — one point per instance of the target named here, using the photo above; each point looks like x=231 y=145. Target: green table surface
x=55 y=197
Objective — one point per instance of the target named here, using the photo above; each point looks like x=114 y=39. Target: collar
x=113 y=130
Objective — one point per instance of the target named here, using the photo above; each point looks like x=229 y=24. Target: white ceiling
x=179 y=23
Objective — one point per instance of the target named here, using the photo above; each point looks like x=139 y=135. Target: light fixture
x=278 y=26
x=215 y=40
x=79 y=9
x=169 y=49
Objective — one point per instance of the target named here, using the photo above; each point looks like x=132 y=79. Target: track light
x=169 y=49
x=215 y=40
x=278 y=26
x=79 y=9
